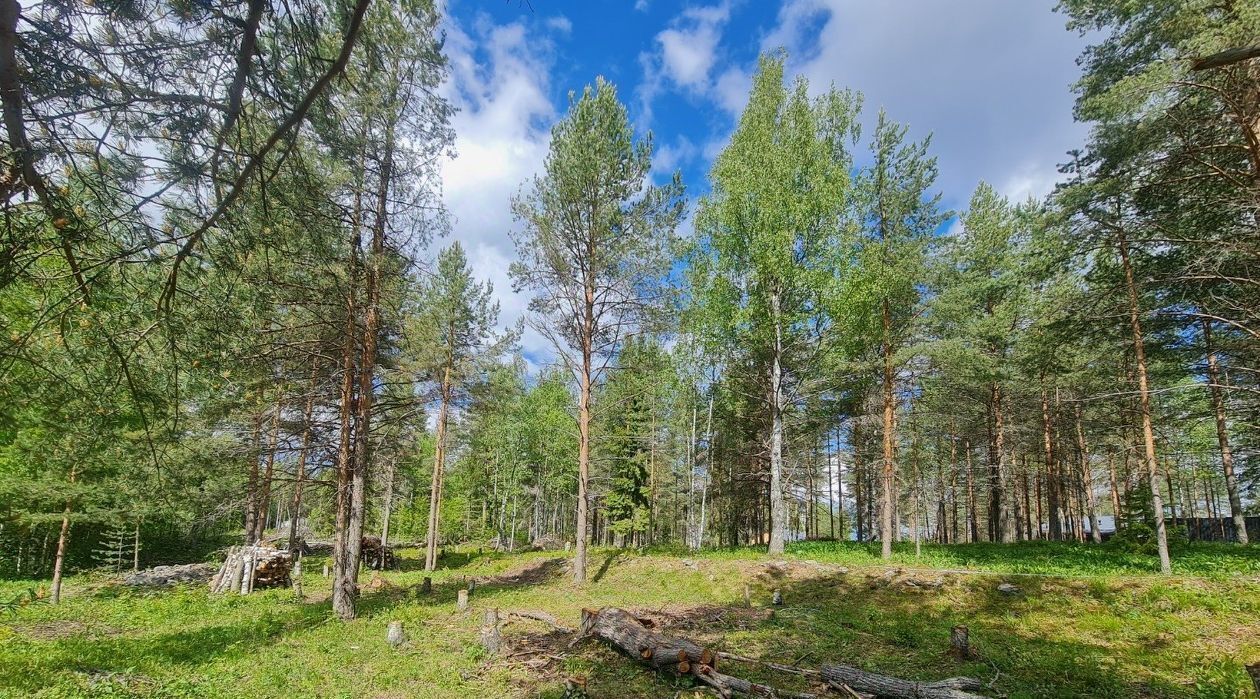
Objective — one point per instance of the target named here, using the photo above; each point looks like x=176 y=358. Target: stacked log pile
x=249 y=567
x=376 y=556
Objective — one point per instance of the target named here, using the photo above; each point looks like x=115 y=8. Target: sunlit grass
x=1116 y=632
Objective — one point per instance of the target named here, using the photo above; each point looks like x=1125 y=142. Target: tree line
x=223 y=320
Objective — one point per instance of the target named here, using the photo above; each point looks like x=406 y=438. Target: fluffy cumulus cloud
x=499 y=83
x=990 y=79
x=684 y=54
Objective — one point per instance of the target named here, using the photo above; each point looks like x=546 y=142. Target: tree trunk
x=973 y=522
x=1144 y=400
x=345 y=590
x=778 y=513
x=63 y=539
x=264 y=494
x=1222 y=436
x=1055 y=527
x=1087 y=480
x=439 y=466
x=886 y=523
x=295 y=508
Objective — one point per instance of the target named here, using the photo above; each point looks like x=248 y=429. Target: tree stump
x=461 y=600
x=960 y=643
x=1254 y=671
x=395 y=635
x=325 y=570
x=747 y=598
x=491 y=635
x=297 y=578
x=426 y=587
x=778 y=598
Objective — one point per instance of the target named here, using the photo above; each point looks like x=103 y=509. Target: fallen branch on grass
x=683 y=656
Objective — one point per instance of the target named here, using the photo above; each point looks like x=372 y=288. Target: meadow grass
x=1091 y=622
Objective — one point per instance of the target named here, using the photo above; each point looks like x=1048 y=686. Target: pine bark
x=889 y=470
x=1222 y=435
x=435 y=484
x=1144 y=402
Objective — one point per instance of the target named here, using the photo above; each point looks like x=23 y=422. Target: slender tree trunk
x=63 y=539
x=387 y=511
x=1144 y=400
x=1087 y=480
x=251 y=481
x=997 y=530
x=295 y=508
x=264 y=486
x=886 y=524
x=344 y=588
x=439 y=468
x=972 y=516
x=778 y=513
x=1115 y=487
x=1052 y=495
x=584 y=423
x=1222 y=436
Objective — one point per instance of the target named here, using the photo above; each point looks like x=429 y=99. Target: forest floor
x=1086 y=622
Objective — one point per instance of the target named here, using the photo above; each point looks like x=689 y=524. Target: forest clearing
x=665 y=348
x=1083 y=623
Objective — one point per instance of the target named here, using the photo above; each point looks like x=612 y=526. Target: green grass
x=1093 y=622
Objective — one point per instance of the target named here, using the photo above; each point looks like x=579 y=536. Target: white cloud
x=684 y=54
x=499 y=82
x=990 y=79
x=560 y=23
x=640 y=5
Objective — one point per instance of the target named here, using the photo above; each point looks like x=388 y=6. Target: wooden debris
x=165 y=576
x=247 y=567
x=683 y=656
x=376 y=556
x=544 y=617
x=1254 y=671
x=846 y=677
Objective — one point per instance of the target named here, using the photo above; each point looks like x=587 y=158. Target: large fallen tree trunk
x=636 y=638
x=632 y=636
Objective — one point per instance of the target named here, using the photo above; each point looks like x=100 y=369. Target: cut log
x=628 y=634
x=846 y=677
x=165 y=576
x=461 y=600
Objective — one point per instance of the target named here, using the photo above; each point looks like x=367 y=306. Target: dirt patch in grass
x=52 y=630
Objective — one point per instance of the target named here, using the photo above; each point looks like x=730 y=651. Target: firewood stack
x=377 y=557
x=248 y=567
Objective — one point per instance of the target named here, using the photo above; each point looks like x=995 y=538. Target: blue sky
x=990 y=79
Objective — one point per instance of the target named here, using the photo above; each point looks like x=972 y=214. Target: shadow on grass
x=131 y=654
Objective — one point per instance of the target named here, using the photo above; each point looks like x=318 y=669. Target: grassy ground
x=1088 y=622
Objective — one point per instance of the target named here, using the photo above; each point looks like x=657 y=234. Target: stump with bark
x=249 y=567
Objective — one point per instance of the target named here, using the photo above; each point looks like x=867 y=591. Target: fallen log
x=886 y=687
x=683 y=656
